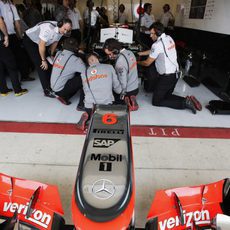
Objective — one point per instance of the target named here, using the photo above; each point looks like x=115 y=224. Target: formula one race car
x=103 y=195
x=104 y=192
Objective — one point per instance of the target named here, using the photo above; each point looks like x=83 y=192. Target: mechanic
x=36 y=39
x=163 y=52
x=66 y=73
x=146 y=21
x=126 y=68
x=8 y=62
x=98 y=83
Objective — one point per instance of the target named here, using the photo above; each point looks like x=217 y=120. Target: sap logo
x=104 y=142
x=106 y=157
x=198 y=217
x=37 y=216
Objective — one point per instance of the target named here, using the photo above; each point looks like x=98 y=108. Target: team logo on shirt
x=94 y=71
x=132 y=59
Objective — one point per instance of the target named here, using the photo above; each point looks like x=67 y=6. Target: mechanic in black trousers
x=36 y=39
x=7 y=60
x=163 y=52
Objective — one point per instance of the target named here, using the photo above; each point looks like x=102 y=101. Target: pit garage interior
x=172 y=148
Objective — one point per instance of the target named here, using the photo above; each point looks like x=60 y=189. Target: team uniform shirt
x=99 y=84
x=164 y=64
x=75 y=16
x=0 y=13
x=9 y=14
x=65 y=65
x=126 y=68
x=47 y=31
x=165 y=18
x=94 y=16
x=146 y=21
x=122 y=18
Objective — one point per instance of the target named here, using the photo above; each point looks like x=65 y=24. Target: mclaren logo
x=103 y=189
x=104 y=142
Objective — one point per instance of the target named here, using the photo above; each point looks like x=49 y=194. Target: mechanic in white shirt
x=122 y=17
x=163 y=52
x=36 y=39
x=147 y=19
x=167 y=18
x=74 y=15
x=91 y=17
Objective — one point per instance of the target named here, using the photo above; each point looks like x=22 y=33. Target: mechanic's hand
x=122 y=95
x=6 y=41
x=44 y=65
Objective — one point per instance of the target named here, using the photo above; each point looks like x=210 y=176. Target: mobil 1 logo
x=106 y=160
x=104 y=142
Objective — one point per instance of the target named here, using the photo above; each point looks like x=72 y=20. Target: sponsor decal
x=200 y=217
x=109 y=131
x=93 y=71
x=104 y=142
x=38 y=217
x=103 y=189
x=105 y=166
x=106 y=157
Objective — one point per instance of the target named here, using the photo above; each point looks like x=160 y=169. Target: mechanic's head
x=112 y=47
x=156 y=30
x=147 y=8
x=92 y=58
x=121 y=8
x=71 y=44
x=166 y=8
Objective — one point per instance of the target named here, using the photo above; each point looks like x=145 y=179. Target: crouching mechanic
x=163 y=52
x=126 y=69
x=66 y=73
x=98 y=82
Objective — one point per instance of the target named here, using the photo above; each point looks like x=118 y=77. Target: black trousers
x=163 y=93
x=32 y=50
x=8 y=62
x=71 y=87
x=23 y=61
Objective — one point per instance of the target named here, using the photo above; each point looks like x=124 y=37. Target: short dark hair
x=71 y=44
x=158 y=27
x=146 y=6
x=112 y=44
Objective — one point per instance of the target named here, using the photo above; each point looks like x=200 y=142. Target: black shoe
x=28 y=79
x=63 y=101
x=190 y=105
x=22 y=92
x=49 y=93
x=80 y=108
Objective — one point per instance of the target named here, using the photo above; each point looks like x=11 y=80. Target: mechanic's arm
x=53 y=47
x=122 y=74
x=144 y=53
x=116 y=83
x=42 y=52
x=4 y=31
x=146 y=62
x=18 y=29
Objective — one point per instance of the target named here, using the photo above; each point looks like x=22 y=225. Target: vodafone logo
x=200 y=217
x=38 y=217
x=94 y=71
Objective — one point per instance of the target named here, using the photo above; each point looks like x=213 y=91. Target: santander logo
x=37 y=216
x=200 y=217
